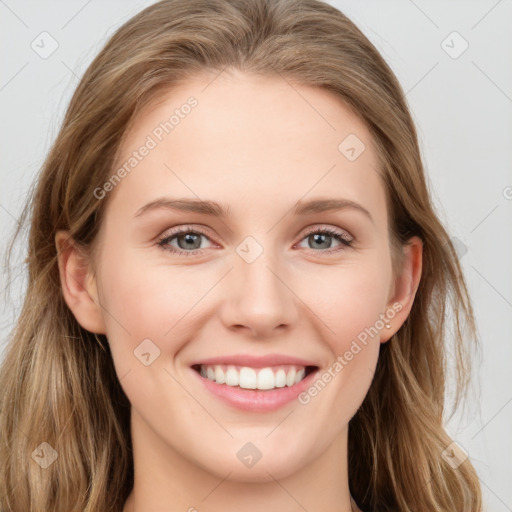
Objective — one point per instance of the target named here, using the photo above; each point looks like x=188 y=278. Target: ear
x=404 y=288
x=78 y=283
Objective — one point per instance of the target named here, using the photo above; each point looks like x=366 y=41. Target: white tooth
x=250 y=378
x=219 y=375
x=299 y=375
x=266 y=379
x=290 y=377
x=247 y=378
x=231 y=376
x=280 y=378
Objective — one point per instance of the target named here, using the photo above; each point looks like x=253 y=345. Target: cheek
x=348 y=299
x=149 y=315
x=349 y=307
x=339 y=389
x=148 y=298
x=144 y=301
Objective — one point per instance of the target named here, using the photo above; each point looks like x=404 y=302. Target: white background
x=463 y=110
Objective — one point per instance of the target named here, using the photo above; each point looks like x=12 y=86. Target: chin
x=259 y=461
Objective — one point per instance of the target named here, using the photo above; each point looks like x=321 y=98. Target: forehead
x=249 y=141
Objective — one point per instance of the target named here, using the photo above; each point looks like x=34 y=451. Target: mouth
x=254 y=384
x=262 y=379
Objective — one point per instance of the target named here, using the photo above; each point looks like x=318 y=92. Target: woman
x=237 y=282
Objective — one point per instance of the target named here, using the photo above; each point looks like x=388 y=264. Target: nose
x=258 y=299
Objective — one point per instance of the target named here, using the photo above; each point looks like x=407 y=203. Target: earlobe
x=405 y=288
x=78 y=283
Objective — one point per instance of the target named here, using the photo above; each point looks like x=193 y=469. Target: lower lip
x=255 y=400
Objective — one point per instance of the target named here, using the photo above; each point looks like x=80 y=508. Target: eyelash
x=162 y=242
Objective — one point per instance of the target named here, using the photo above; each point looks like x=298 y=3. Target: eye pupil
x=316 y=237
x=192 y=241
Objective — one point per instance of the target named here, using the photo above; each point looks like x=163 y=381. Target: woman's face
x=284 y=283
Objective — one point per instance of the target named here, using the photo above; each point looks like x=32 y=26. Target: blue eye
x=189 y=239
x=320 y=236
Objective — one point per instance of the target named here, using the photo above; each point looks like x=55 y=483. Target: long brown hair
x=59 y=387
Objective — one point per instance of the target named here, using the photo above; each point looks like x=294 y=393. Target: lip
x=256 y=361
x=254 y=400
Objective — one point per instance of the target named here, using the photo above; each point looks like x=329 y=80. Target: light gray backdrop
x=454 y=60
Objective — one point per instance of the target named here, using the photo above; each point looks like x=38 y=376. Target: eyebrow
x=215 y=209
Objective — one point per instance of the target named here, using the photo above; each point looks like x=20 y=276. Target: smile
x=246 y=377
x=254 y=384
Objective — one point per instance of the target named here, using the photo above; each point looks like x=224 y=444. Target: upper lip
x=255 y=361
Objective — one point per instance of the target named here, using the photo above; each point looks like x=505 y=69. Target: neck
x=164 y=480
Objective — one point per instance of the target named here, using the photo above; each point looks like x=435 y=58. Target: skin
x=257 y=145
